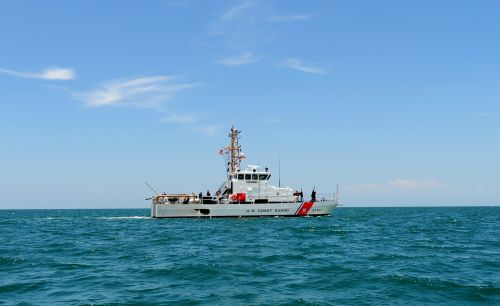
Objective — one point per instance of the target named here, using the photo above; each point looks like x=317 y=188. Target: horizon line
x=385 y=206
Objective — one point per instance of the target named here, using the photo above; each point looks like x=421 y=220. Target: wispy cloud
x=297 y=64
x=289 y=18
x=52 y=73
x=142 y=92
x=239 y=60
x=246 y=25
x=415 y=184
x=399 y=185
x=238 y=28
x=238 y=9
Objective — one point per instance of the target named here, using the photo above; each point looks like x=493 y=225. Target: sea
x=357 y=256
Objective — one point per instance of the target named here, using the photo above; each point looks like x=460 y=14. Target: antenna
x=151 y=188
x=279 y=168
x=235 y=150
x=258 y=155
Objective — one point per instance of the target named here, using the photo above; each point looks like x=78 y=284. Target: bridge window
x=241 y=176
x=254 y=177
x=248 y=176
x=262 y=177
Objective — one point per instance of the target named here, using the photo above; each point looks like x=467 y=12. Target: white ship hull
x=296 y=209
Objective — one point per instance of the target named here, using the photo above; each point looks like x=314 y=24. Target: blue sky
x=395 y=101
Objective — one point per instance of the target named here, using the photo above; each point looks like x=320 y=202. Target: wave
x=7 y=260
x=395 y=256
x=123 y=218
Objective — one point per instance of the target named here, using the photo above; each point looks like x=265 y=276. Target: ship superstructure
x=244 y=193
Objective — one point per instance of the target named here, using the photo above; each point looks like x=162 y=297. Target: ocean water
x=358 y=256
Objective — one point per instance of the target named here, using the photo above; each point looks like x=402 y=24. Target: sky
x=397 y=102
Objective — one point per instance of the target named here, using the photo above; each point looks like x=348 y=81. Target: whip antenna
x=279 y=168
x=151 y=188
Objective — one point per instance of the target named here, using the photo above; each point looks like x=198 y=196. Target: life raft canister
x=239 y=197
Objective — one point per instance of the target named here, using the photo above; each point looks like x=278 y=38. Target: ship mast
x=235 y=151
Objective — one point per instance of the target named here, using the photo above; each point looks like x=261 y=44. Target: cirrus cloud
x=297 y=64
x=290 y=18
x=238 y=60
x=399 y=185
x=142 y=92
x=51 y=73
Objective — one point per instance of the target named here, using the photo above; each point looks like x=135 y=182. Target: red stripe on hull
x=304 y=208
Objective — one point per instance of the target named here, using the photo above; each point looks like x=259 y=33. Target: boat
x=244 y=193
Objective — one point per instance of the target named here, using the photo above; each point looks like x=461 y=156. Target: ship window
x=248 y=176
x=262 y=177
x=241 y=176
x=254 y=177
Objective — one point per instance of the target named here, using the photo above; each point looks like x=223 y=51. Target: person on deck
x=313 y=196
x=208 y=193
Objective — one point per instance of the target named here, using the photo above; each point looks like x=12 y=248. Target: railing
x=322 y=197
x=194 y=199
x=174 y=198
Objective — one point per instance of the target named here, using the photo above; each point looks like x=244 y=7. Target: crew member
x=313 y=196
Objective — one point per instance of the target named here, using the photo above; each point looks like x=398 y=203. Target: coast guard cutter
x=244 y=193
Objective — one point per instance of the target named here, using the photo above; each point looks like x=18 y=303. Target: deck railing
x=194 y=199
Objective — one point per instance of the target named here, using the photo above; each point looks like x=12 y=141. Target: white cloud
x=52 y=73
x=415 y=184
x=290 y=18
x=143 y=92
x=246 y=25
x=296 y=64
x=239 y=60
x=237 y=10
x=399 y=185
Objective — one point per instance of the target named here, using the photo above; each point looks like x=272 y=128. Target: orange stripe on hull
x=304 y=208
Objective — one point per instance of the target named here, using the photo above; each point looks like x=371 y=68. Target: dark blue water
x=372 y=256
